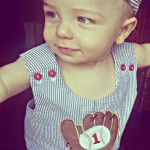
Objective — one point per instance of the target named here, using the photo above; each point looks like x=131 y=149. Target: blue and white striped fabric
x=54 y=101
x=135 y=5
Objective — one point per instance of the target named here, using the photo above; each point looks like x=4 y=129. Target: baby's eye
x=52 y=15
x=84 y=20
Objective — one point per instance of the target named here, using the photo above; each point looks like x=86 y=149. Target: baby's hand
x=99 y=131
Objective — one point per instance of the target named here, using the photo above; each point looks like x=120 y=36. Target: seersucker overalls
x=54 y=101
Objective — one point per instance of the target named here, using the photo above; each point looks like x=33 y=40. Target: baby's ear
x=127 y=27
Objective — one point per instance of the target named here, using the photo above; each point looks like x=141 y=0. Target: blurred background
x=21 y=26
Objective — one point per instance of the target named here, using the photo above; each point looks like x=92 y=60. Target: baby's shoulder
x=37 y=51
x=142 y=54
x=38 y=57
x=123 y=51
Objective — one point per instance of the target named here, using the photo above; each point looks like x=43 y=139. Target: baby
x=83 y=78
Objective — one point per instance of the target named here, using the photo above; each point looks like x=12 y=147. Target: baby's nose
x=65 y=30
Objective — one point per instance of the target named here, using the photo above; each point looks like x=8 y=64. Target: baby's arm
x=142 y=54
x=13 y=79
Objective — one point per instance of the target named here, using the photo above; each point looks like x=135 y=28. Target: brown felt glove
x=71 y=133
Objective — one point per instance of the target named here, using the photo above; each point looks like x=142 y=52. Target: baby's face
x=80 y=31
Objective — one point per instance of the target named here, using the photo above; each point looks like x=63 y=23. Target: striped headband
x=135 y=5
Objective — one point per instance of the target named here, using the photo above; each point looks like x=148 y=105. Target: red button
x=37 y=76
x=123 y=67
x=52 y=73
x=131 y=67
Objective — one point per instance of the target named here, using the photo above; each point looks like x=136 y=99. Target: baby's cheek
x=45 y=33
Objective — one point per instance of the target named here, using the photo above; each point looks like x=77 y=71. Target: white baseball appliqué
x=95 y=138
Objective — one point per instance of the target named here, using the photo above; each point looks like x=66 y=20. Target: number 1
x=95 y=139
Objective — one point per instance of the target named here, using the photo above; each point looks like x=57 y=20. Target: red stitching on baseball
x=101 y=137
x=90 y=142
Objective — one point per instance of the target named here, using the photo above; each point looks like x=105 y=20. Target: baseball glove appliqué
x=99 y=131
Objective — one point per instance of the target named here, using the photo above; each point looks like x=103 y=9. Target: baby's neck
x=93 y=81
x=88 y=66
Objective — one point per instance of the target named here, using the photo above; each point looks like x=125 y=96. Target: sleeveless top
x=54 y=101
